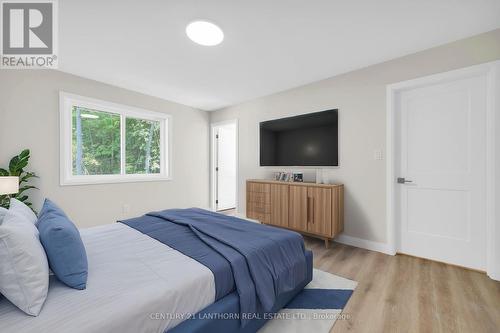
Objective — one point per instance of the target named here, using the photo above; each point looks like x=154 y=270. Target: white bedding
x=134 y=284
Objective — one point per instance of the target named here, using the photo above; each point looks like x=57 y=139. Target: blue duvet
x=262 y=262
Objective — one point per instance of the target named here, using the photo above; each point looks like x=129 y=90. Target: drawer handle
x=310 y=210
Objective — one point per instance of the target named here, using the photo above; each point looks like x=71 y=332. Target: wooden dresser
x=312 y=209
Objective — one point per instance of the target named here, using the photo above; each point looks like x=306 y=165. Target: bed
x=175 y=271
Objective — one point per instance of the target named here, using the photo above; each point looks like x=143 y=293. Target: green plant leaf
x=25 y=188
x=24 y=154
x=13 y=164
x=4 y=201
x=16 y=168
x=25 y=177
x=22 y=198
x=17 y=163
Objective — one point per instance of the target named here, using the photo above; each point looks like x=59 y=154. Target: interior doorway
x=224 y=166
x=440 y=171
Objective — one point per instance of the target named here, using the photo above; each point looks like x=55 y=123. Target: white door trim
x=491 y=71
x=213 y=161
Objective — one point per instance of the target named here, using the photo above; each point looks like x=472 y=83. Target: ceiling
x=269 y=46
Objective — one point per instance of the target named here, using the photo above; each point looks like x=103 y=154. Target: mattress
x=222 y=316
x=134 y=284
x=262 y=262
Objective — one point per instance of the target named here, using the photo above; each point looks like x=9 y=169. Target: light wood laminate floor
x=406 y=294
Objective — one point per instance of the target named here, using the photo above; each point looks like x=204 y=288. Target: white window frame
x=66 y=103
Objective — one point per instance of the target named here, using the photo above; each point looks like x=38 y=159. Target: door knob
x=402 y=180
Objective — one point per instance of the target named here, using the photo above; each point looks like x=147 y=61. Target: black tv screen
x=305 y=140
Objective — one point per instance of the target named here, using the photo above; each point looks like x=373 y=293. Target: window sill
x=112 y=179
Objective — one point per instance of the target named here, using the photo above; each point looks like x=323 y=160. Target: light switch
x=126 y=209
x=378 y=155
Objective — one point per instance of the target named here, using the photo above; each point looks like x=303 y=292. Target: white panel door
x=225 y=166
x=442 y=157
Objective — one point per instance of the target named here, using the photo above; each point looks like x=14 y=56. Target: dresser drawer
x=259 y=207
x=259 y=197
x=257 y=187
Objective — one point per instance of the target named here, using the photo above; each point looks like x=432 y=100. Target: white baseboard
x=364 y=244
x=494 y=276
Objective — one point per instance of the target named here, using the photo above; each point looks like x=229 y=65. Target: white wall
x=360 y=97
x=29 y=118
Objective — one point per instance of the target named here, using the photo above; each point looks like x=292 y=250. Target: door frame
x=213 y=159
x=491 y=71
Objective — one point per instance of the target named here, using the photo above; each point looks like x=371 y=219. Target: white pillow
x=20 y=208
x=24 y=270
x=3 y=211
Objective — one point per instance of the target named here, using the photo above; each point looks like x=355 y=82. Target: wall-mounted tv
x=306 y=140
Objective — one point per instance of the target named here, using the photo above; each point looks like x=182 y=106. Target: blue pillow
x=63 y=245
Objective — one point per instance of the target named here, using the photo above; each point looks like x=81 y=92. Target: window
x=103 y=142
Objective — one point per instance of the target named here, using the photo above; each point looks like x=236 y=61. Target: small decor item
x=283 y=176
x=16 y=168
x=298 y=177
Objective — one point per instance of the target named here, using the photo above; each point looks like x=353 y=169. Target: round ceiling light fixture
x=204 y=33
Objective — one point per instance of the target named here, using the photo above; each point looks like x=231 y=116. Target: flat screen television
x=306 y=140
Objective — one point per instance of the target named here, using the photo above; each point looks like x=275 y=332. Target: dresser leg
x=327 y=243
